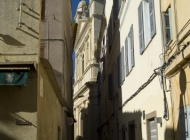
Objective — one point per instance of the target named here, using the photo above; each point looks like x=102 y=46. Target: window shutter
x=152 y=18
x=168 y=26
x=110 y=34
x=184 y=123
x=153 y=129
x=122 y=66
x=115 y=79
x=132 y=47
x=170 y=22
x=118 y=66
x=126 y=57
x=141 y=29
x=129 y=52
x=110 y=86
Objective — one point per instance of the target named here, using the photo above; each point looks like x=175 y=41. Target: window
x=152 y=128
x=147 y=26
x=110 y=86
x=152 y=133
x=167 y=26
x=83 y=63
x=184 y=123
x=116 y=7
x=121 y=72
x=110 y=34
x=123 y=132
x=132 y=130
x=43 y=9
x=129 y=52
x=59 y=133
x=42 y=49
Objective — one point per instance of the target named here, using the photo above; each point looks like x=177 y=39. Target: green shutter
x=13 y=77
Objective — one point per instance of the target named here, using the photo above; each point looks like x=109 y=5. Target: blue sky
x=74 y=7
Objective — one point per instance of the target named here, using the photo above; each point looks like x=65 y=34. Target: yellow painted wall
x=50 y=111
x=178 y=71
x=15 y=40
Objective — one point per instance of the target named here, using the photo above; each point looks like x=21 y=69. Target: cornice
x=84 y=88
x=77 y=34
x=80 y=91
x=90 y=66
x=81 y=35
x=126 y=7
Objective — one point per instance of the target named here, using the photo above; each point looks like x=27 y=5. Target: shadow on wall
x=9 y=40
x=20 y=99
x=181 y=129
x=79 y=138
x=5 y=137
x=58 y=76
x=131 y=127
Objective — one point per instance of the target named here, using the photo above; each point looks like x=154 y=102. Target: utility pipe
x=20 y=14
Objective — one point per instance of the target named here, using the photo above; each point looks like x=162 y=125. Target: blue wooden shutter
x=132 y=47
x=152 y=18
x=126 y=57
x=141 y=29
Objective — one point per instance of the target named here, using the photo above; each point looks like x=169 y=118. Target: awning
x=16 y=77
x=15 y=73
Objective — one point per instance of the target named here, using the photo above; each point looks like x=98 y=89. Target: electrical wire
x=162 y=68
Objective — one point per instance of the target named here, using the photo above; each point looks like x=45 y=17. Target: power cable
x=162 y=68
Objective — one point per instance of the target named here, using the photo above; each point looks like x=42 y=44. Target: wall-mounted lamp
x=158 y=120
x=143 y=115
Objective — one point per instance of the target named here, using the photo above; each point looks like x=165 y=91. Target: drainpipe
x=165 y=116
x=20 y=14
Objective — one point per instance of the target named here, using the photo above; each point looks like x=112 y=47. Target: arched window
x=83 y=63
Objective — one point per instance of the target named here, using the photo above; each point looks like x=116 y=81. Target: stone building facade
x=32 y=104
x=56 y=47
x=86 y=108
x=134 y=103
x=176 y=49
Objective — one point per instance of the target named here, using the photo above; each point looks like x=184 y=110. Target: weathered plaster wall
x=20 y=41
x=50 y=111
x=19 y=104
